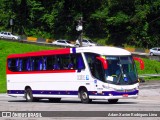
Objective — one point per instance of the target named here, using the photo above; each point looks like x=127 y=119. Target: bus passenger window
x=12 y=64
x=56 y=63
x=20 y=65
x=80 y=62
x=38 y=63
x=70 y=65
x=16 y=64
x=44 y=63
x=56 y=67
x=9 y=64
x=32 y=64
x=28 y=64
x=64 y=61
x=49 y=63
x=16 y=67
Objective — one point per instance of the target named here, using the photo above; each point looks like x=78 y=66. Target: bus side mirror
x=103 y=61
x=140 y=62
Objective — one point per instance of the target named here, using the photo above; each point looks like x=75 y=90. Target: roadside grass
x=9 y=47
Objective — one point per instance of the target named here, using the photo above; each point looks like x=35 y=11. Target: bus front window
x=121 y=70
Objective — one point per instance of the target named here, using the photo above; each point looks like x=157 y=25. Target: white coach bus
x=90 y=73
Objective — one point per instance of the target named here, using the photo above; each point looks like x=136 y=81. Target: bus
x=88 y=73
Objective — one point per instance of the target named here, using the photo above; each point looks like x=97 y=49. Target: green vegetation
x=151 y=67
x=115 y=22
x=6 y=48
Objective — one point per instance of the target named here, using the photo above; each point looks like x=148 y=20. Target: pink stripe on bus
x=41 y=53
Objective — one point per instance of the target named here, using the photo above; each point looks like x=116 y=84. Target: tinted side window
x=19 y=64
x=95 y=65
x=54 y=62
x=49 y=62
x=37 y=63
x=12 y=64
x=63 y=62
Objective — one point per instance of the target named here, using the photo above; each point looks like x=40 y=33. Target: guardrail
x=146 y=55
x=149 y=75
x=141 y=77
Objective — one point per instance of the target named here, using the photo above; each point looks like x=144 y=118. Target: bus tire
x=29 y=95
x=112 y=101
x=84 y=96
x=56 y=100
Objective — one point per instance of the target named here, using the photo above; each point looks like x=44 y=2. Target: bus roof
x=103 y=50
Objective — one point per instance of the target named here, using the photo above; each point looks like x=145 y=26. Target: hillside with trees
x=116 y=22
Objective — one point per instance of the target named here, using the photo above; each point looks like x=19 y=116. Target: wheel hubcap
x=84 y=95
x=28 y=97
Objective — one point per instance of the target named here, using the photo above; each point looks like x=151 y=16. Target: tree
x=117 y=22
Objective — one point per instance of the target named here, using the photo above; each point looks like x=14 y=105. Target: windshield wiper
x=118 y=79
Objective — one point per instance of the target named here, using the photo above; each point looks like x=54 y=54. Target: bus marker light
x=94 y=92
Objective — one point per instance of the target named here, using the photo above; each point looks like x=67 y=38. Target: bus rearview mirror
x=104 y=62
x=140 y=62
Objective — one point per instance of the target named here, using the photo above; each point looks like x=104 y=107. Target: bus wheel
x=29 y=95
x=84 y=96
x=113 y=101
x=56 y=100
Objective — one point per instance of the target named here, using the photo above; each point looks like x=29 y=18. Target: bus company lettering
x=81 y=77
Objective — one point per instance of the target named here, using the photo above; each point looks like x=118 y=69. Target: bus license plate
x=125 y=95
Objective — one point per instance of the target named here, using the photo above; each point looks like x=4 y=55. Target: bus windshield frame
x=118 y=70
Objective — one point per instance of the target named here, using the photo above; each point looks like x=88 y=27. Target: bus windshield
x=121 y=70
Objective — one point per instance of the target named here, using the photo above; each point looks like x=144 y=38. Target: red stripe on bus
x=41 y=53
x=40 y=72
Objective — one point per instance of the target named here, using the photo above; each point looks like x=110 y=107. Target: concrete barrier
x=41 y=40
x=155 y=58
x=49 y=40
x=140 y=50
x=130 y=49
x=34 y=39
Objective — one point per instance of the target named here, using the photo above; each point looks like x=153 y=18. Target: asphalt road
x=148 y=100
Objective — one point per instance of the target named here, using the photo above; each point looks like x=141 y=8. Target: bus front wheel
x=113 y=101
x=84 y=96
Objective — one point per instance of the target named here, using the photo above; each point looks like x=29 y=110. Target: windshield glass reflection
x=121 y=70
